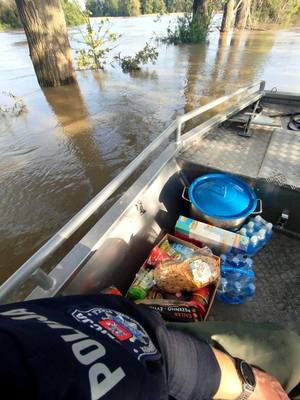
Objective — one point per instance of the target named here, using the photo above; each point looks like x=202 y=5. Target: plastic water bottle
x=248 y=263
x=253 y=245
x=231 y=258
x=250 y=224
x=249 y=290
x=261 y=237
x=269 y=229
x=259 y=222
x=223 y=258
x=223 y=285
x=259 y=231
x=243 y=231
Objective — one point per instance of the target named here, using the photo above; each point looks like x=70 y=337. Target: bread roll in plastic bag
x=188 y=275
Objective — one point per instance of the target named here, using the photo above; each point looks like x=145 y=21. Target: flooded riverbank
x=73 y=140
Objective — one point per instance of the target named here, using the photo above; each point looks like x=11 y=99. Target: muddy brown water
x=73 y=140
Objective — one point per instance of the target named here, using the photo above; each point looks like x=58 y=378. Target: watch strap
x=247 y=389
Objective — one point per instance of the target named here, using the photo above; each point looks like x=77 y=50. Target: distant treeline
x=113 y=8
x=9 y=17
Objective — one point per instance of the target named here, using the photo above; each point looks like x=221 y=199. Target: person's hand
x=267 y=388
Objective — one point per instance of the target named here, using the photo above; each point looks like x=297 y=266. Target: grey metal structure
x=114 y=248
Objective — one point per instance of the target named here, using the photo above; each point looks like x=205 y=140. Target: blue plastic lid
x=222 y=196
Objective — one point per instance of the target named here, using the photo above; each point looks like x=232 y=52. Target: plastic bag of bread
x=188 y=275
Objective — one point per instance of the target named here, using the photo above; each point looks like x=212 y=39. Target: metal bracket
x=45 y=281
x=283 y=219
x=246 y=132
x=259 y=201
x=140 y=207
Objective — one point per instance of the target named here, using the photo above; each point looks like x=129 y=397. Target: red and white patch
x=115 y=329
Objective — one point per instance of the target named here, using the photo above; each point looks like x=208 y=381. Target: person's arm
x=230 y=388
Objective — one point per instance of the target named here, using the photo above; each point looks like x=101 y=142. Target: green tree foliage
x=112 y=7
x=142 y=57
x=132 y=7
x=9 y=16
x=99 y=8
x=186 y=30
x=158 y=6
x=98 y=44
x=73 y=13
x=147 y=6
x=179 y=5
x=95 y=8
x=262 y=11
x=274 y=11
x=192 y=27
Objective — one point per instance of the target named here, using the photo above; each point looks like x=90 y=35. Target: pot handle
x=184 y=194
x=260 y=207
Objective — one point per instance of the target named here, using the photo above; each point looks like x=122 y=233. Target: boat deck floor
x=271 y=153
x=277 y=297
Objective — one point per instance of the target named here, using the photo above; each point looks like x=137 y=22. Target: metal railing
x=31 y=268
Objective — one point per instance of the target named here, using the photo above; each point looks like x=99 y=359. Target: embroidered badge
x=120 y=328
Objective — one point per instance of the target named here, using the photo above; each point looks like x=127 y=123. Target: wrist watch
x=247 y=377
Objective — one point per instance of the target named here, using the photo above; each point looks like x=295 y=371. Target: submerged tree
x=201 y=10
x=193 y=27
x=242 y=14
x=228 y=16
x=45 y=28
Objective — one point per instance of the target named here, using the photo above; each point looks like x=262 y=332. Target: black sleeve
x=192 y=370
x=16 y=379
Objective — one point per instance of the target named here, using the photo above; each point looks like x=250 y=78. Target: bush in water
x=142 y=57
x=187 y=30
x=98 y=44
x=15 y=108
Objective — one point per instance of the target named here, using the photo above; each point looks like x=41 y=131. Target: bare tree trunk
x=200 y=7
x=242 y=14
x=45 y=27
x=201 y=13
x=228 y=16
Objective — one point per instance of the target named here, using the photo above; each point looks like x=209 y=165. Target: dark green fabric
x=267 y=346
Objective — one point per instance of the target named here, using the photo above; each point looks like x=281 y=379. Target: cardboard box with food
x=178 y=279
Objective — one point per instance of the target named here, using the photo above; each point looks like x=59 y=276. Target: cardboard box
x=213 y=285
x=219 y=240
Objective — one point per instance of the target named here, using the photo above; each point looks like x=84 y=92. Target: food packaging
x=166 y=248
x=156 y=256
x=188 y=275
x=172 y=310
x=141 y=285
x=219 y=240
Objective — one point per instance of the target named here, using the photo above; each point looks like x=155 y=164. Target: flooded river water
x=73 y=140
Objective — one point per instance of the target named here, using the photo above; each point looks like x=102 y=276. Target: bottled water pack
x=258 y=231
x=237 y=279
